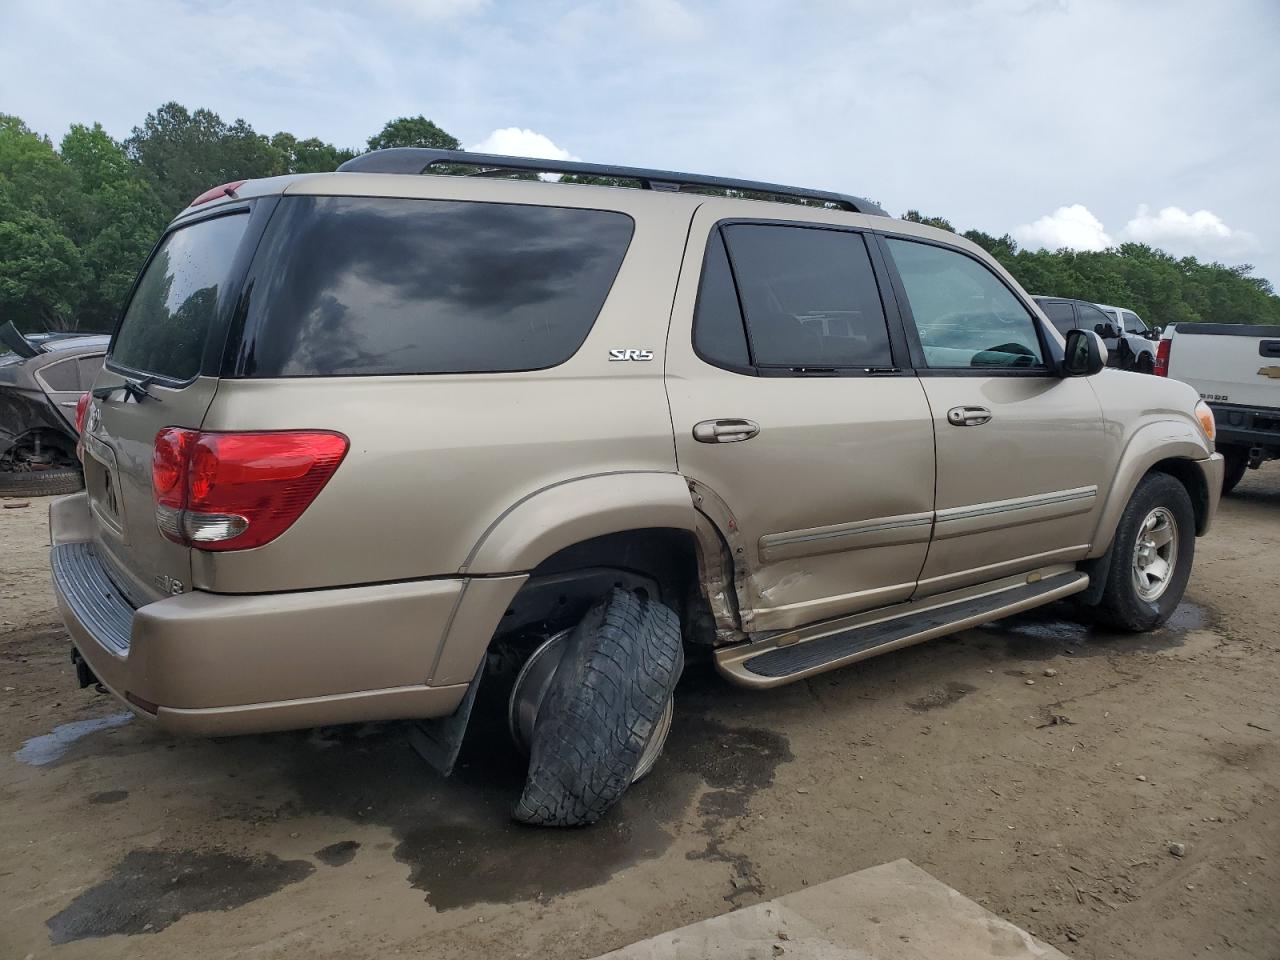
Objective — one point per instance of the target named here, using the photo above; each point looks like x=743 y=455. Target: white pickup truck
x=1236 y=370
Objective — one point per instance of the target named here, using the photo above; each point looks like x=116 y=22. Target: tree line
x=78 y=219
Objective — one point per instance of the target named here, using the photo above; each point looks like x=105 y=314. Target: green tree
x=915 y=216
x=413 y=132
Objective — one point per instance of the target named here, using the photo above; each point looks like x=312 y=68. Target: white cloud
x=1202 y=233
x=437 y=9
x=521 y=142
x=1074 y=227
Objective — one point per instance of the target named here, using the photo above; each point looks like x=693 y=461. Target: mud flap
x=1098 y=570
x=439 y=741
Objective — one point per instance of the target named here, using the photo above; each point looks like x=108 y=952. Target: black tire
x=40 y=483
x=1237 y=461
x=1122 y=606
x=608 y=694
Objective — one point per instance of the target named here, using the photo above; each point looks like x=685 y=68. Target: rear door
x=170 y=339
x=1020 y=450
x=797 y=417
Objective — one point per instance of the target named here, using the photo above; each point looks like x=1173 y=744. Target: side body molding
x=1150 y=443
x=571 y=511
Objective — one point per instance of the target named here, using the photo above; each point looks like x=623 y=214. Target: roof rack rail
x=416 y=160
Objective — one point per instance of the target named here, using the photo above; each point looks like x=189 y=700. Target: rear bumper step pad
x=100 y=607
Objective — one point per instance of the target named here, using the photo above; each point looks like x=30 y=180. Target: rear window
x=163 y=331
x=367 y=286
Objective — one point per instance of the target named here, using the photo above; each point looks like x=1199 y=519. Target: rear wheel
x=593 y=707
x=1237 y=461
x=1151 y=556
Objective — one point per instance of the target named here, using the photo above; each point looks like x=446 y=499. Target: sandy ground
x=1052 y=803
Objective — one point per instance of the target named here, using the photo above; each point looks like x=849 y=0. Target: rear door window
x=810 y=298
x=1091 y=318
x=174 y=305
x=964 y=315
x=365 y=286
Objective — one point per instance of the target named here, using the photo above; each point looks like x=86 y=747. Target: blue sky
x=1075 y=122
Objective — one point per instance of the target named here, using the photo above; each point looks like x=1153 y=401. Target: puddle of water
x=457 y=836
x=1053 y=630
x=150 y=889
x=49 y=747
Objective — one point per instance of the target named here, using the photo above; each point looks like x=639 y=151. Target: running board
x=794 y=655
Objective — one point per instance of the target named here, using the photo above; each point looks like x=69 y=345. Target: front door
x=1020 y=449
x=797 y=417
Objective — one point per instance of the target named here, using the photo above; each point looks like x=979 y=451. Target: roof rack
x=416 y=160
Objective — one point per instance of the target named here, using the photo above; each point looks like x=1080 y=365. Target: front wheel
x=1151 y=556
x=594 y=706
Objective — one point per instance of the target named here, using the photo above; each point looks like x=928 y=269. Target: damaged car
x=42 y=377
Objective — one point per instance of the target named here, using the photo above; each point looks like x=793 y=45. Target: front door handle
x=968 y=416
x=724 y=431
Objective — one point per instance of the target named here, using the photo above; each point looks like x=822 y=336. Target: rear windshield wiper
x=139 y=389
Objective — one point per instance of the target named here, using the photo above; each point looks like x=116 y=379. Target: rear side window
x=718 y=334
x=964 y=315
x=352 y=286
x=1060 y=314
x=810 y=298
x=163 y=331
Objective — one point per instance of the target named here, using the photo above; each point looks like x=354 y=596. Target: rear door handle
x=725 y=431
x=968 y=416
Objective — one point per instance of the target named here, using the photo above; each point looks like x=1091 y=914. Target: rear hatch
x=161 y=372
x=1228 y=363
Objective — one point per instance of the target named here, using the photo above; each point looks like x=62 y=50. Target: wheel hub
x=1154 y=554
x=531 y=687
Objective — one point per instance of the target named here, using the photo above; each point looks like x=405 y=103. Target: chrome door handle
x=724 y=431
x=968 y=416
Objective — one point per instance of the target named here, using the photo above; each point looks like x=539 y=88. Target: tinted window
x=61 y=376
x=163 y=331
x=1060 y=314
x=1132 y=322
x=718 y=335
x=90 y=367
x=965 y=316
x=810 y=297
x=369 y=286
x=1090 y=316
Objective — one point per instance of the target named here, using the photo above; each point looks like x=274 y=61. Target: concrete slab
x=895 y=911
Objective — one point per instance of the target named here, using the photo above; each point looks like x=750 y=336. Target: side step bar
x=794 y=655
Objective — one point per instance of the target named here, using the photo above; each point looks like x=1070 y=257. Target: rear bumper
x=1245 y=426
x=217 y=664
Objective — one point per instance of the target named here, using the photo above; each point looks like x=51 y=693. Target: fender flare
x=1166 y=439
x=538 y=526
x=568 y=512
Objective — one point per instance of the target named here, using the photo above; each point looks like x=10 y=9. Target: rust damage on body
x=722 y=564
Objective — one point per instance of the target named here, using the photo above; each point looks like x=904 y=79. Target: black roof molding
x=416 y=160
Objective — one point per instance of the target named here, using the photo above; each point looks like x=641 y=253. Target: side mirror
x=1106 y=330
x=1086 y=354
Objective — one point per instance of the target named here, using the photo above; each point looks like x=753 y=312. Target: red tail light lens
x=1161 y=368
x=82 y=411
x=235 y=491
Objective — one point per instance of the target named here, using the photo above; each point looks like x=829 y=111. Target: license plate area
x=102 y=484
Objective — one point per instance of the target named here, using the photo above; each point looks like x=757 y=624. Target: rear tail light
x=235 y=491
x=82 y=411
x=1161 y=368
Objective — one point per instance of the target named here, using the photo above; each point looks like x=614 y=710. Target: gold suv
x=360 y=434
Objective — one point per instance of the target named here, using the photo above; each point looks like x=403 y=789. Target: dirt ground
x=1050 y=799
